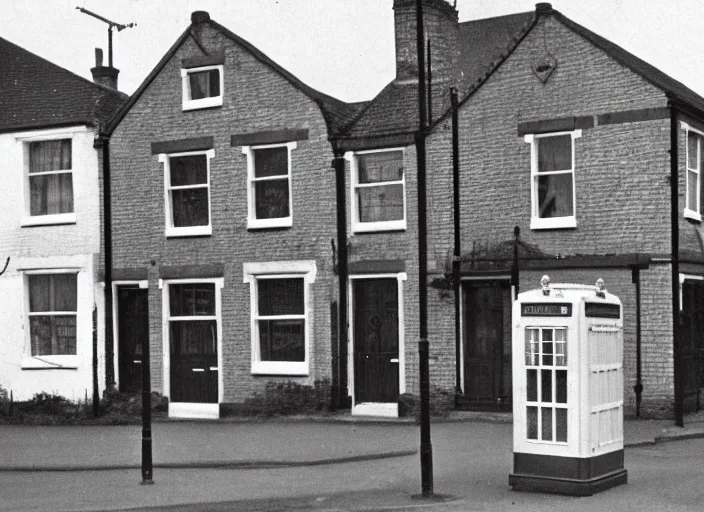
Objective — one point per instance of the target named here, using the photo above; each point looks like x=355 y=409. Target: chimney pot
x=543 y=8
x=199 y=17
x=98 y=57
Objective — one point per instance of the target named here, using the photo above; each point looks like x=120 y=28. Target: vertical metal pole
x=515 y=272
x=147 y=468
x=674 y=221
x=638 y=388
x=457 y=252
x=110 y=45
x=426 y=449
x=107 y=258
x=430 y=88
x=96 y=387
x=343 y=272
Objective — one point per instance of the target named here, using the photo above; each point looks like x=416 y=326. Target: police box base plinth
x=573 y=476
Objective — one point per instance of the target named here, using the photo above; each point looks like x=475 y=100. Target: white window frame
x=45 y=135
x=53 y=361
x=252 y=221
x=536 y=222
x=170 y=230
x=166 y=318
x=305 y=269
x=214 y=101
x=689 y=212
x=389 y=225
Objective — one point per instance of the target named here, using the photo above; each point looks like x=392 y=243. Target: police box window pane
x=561 y=425
x=193 y=337
x=190 y=207
x=271 y=199
x=532 y=422
x=547 y=347
x=555 y=196
x=380 y=203
x=192 y=299
x=204 y=84
x=560 y=347
x=554 y=153
x=546 y=423
x=546 y=385
x=532 y=385
x=561 y=386
x=282 y=340
x=280 y=297
x=532 y=348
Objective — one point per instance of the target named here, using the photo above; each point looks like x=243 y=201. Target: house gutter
x=457 y=249
x=674 y=222
x=107 y=237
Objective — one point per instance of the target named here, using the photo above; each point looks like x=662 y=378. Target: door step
x=389 y=410
x=194 y=410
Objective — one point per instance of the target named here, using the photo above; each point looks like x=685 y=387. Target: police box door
x=376 y=340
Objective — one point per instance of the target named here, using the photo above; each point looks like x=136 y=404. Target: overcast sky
x=342 y=47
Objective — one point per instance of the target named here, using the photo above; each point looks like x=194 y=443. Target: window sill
x=190 y=231
x=554 y=223
x=202 y=103
x=371 y=227
x=67 y=362
x=283 y=222
x=48 y=220
x=279 y=368
x=692 y=215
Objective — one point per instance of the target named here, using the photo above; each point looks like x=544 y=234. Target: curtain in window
x=382 y=203
x=555 y=190
x=555 y=153
x=190 y=206
x=378 y=167
x=205 y=84
x=50 y=194
x=51 y=334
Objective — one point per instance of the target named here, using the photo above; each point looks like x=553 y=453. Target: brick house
x=51 y=299
x=223 y=214
x=550 y=115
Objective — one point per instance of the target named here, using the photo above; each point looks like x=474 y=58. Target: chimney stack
x=441 y=28
x=104 y=75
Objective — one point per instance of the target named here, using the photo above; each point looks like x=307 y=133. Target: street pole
x=147 y=469
x=426 y=448
x=674 y=227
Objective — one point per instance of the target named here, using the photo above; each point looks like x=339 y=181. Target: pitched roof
x=34 y=93
x=336 y=113
x=395 y=109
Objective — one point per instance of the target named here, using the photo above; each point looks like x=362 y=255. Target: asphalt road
x=472 y=462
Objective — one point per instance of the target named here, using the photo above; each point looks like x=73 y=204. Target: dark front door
x=487 y=351
x=133 y=334
x=692 y=341
x=376 y=361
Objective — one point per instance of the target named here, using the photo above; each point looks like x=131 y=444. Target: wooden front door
x=487 y=354
x=692 y=342
x=375 y=335
x=133 y=334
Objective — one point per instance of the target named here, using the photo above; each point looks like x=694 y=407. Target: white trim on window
x=252 y=272
x=362 y=227
x=536 y=222
x=692 y=212
x=165 y=317
x=252 y=221
x=214 y=101
x=170 y=230
x=683 y=278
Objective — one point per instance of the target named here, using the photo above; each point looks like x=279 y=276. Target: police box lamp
x=567 y=389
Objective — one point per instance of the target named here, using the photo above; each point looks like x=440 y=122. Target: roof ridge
x=522 y=13
x=352 y=122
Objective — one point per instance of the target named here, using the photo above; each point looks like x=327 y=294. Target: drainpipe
x=342 y=274
x=426 y=448
x=638 y=388
x=457 y=252
x=674 y=221
x=107 y=237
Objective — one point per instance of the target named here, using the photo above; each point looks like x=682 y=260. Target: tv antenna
x=111 y=25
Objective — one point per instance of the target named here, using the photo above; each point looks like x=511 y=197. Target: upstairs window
x=378 y=191
x=269 y=184
x=694 y=155
x=187 y=193
x=552 y=180
x=52 y=314
x=50 y=177
x=202 y=87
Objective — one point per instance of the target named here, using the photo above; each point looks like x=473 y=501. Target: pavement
x=290 y=442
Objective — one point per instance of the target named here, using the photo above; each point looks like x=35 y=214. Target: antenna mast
x=111 y=25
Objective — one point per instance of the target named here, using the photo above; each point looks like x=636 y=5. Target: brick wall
x=256 y=98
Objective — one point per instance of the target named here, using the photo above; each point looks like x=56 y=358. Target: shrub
x=442 y=402
x=287 y=398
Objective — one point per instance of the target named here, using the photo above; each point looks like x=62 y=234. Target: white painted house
x=50 y=225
